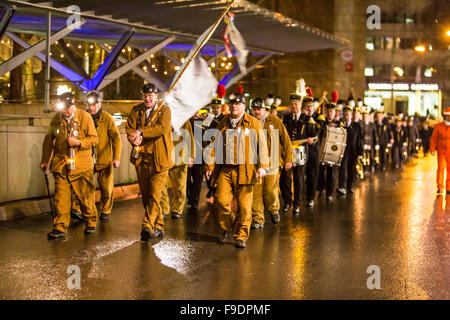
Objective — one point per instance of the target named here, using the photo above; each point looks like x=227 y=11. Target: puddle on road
x=175 y=254
x=102 y=250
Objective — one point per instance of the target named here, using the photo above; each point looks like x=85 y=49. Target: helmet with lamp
x=94 y=97
x=65 y=101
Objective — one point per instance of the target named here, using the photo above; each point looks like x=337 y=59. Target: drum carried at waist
x=299 y=155
x=332 y=147
x=300 y=151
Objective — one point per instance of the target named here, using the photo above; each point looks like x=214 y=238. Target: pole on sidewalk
x=49 y=195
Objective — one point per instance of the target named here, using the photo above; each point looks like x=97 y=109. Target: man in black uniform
x=425 y=134
x=327 y=173
x=400 y=140
x=297 y=129
x=347 y=171
x=370 y=139
x=316 y=122
x=195 y=173
x=413 y=135
x=385 y=137
x=211 y=121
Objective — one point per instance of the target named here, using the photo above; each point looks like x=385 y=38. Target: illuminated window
x=369 y=44
x=369 y=72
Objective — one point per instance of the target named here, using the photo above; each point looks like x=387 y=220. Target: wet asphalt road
x=394 y=221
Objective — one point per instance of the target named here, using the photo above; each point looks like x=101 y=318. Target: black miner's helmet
x=149 y=88
x=67 y=99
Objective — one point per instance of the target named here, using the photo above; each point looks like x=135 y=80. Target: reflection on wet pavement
x=393 y=221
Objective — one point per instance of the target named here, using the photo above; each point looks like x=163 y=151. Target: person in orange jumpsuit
x=440 y=141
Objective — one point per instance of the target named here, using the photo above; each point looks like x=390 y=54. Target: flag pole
x=200 y=47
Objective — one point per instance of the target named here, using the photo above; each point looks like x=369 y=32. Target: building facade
x=340 y=69
x=407 y=58
x=402 y=66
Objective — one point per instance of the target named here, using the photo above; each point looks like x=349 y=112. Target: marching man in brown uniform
x=149 y=131
x=242 y=169
x=281 y=155
x=177 y=178
x=107 y=152
x=70 y=138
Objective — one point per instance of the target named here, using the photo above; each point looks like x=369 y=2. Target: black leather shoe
x=89 y=230
x=55 y=234
x=310 y=204
x=145 y=234
x=240 y=244
x=76 y=215
x=157 y=233
x=224 y=237
x=104 y=216
x=275 y=218
x=296 y=210
x=176 y=215
x=286 y=207
x=256 y=225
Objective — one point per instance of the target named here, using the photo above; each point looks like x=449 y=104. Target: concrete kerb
x=15 y=210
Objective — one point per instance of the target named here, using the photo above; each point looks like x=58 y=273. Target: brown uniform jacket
x=109 y=145
x=188 y=137
x=157 y=135
x=56 y=141
x=247 y=171
x=285 y=145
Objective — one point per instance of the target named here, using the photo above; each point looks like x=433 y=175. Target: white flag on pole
x=194 y=85
x=194 y=90
x=193 y=50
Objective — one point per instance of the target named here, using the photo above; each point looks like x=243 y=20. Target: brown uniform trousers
x=81 y=179
x=153 y=165
x=105 y=180
x=83 y=189
x=227 y=186
x=238 y=179
x=109 y=148
x=266 y=194
x=177 y=177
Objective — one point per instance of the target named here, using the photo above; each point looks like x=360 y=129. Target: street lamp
x=399 y=71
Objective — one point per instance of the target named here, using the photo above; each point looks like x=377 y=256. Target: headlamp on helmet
x=65 y=101
x=93 y=97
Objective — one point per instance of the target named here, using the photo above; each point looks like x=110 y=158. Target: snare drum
x=300 y=156
x=333 y=145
